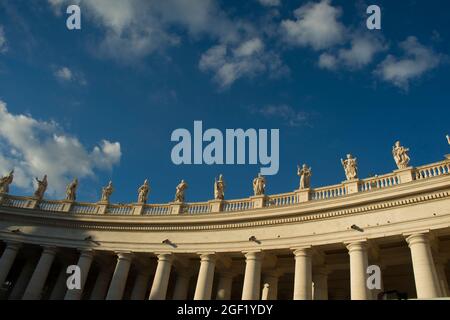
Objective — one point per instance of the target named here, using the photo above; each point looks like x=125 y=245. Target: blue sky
x=101 y=103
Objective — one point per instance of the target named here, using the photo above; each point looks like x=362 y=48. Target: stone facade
x=312 y=243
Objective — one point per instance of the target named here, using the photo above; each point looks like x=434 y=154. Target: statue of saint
x=143 y=192
x=6 y=181
x=219 y=188
x=71 y=190
x=350 y=167
x=107 y=192
x=305 y=174
x=41 y=188
x=400 y=155
x=179 y=194
x=259 y=185
x=448 y=139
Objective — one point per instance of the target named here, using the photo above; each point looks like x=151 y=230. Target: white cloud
x=361 y=52
x=270 y=3
x=3 y=44
x=289 y=115
x=64 y=74
x=317 y=25
x=416 y=61
x=34 y=148
x=246 y=60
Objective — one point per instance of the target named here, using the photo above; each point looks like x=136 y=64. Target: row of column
x=110 y=284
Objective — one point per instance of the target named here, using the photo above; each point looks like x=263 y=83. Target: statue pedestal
x=66 y=205
x=176 y=207
x=215 y=205
x=138 y=208
x=404 y=175
x=258 y=201
x=34 y=203
x=351 y=186
x=303 y=195
x=447 y=156
x=102 y=207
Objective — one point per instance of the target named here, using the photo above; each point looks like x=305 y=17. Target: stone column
x=181 y=286
x=224 y=286
x=60 y=287
x=205 y=279
x=22 y=281
x=252 y=277
x=120 y=276
x=440 y=269
x=270 y=286
x=40 y=274
x=7 y=259
x=303 y=274
x=425 y=275
x=358 y=270
x=101 y=284
x=140 y=285
x=84 y=263
x=162 y=275
x=320 y=280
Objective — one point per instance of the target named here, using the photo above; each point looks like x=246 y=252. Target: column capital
x=253 y=255
x=49 y=250
x=302 y=251
x=420 y=237
x=124 y=255
x=356 y=245
x=87 y=253
x=13 y=245
x=207 y=256
x=164 y=256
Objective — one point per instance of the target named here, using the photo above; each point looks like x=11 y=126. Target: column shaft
x=162 y=275
x=140 y=286
x=22 y=281
x=303 y=274
x=252 y=277
x=320 y=280
x=7 y=260
x=181 y=286
x=120 y=276
x=425 y=276
x=60 y=288
x=84 y=263
x=205 y=279
x=101 y=284
x=358 y=271
x=40 y=274
x=270 y=287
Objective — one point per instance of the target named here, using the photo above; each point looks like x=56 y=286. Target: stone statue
x=107 y=192
x=259 y=185
x=448 y=139
x=219 y=188
x=179 y=194
x=71 y=190
x=143 y=192
x=351 y=167
x=6 y=181
x=42 y=187
x=305 y=174
x=400 y=155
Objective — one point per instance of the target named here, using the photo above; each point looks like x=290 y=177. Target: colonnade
x=310 y=281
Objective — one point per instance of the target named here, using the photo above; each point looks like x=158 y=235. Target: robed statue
x=71 y=190
x=305 y=174
x=350 y=167
x=259 y=185
x=143 y=192
x=41 y=188
x=400 y=155
x=219 y=188
x=179 y=193
x=107 y=192
x=6 y=181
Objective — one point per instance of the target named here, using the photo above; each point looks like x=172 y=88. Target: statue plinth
x=404 y=175
x=447 y=156
x=102 y=207
x=258 y=201
x=67 y=205
x=351 y=186
x=176 y=207
x=303 y=195
x=138 y=208
x=216 y=205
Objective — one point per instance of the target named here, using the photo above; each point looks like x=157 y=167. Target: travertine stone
x=270 y=286
x=205 y=279
x=22 y=281
x=182 y=286
x=120 y=276
x=358 y=270
x=84 y=263
x=7 y=259
x=252 y=277
x=162 y=275
x=102 y=284
x=303 y=274
x=224 y=286
x=320 y=281
x=141 y=284
x=40 y=274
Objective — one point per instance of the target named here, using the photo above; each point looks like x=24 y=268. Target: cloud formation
x=286 y=113
x=3 y=44
x=33 y=148
x=64 y=74
x=270 y=3
x=416 y=61
x=316 y=25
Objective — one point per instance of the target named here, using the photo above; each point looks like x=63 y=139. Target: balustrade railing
x=279 y=200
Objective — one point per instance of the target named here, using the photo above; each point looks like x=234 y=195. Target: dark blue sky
x=134 y=76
